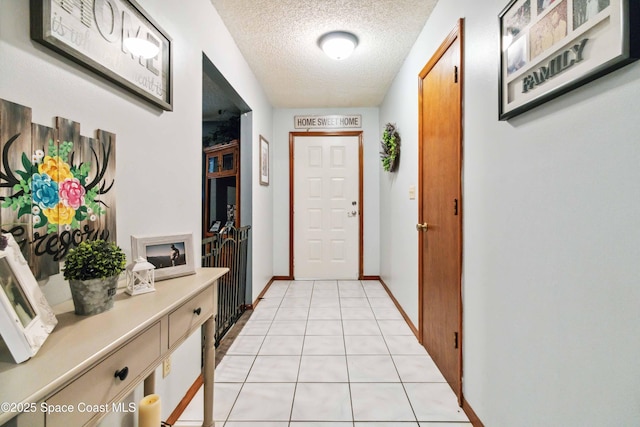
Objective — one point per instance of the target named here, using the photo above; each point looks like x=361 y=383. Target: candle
x=149 y=411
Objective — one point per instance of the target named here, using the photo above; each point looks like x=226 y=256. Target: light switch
x=412 y=192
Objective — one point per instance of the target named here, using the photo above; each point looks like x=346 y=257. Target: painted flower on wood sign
x=54 y=191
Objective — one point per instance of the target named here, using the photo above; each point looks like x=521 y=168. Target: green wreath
x=390 y=143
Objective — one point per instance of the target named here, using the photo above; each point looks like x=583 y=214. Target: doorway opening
x=226 y=163
x=226 y=158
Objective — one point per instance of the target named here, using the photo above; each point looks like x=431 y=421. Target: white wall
x=551 y=242
x=158 y=173
x=283 y=124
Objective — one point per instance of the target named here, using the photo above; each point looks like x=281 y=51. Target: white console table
x=98 y=360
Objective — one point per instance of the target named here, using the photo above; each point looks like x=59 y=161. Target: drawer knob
x=122 y=373
x=197 y=311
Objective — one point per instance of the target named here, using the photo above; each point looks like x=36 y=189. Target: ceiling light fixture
x=338 y=44
x=141 y=47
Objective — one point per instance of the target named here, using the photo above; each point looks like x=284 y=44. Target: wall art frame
x=91 y=34
x=264 y=161
x=550 y=47
x=57 y=186
x=26 y=319
x=172 y=255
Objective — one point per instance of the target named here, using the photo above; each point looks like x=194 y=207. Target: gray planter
x=93 y=296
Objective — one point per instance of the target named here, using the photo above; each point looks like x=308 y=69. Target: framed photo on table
x=550 y=47
x=171 y=255
x=26 y=319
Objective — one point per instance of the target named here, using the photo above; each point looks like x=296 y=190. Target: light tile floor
x=329 y=354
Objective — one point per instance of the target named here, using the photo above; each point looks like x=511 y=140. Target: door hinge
x=455 y=206
x=455 y=74
x=455 y=340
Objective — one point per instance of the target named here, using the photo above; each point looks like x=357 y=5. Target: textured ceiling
x=278 y=38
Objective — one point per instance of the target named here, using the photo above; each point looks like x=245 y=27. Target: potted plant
x=92 y=269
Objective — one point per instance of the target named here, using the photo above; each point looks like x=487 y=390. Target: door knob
x=422 y=227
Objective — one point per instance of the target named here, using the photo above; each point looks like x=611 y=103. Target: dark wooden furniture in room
x=221 y=187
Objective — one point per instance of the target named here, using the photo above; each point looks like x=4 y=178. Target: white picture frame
x=172 y=255
x=26 y=319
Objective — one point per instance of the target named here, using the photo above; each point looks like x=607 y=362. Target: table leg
x=150 y=384
x=209 y=367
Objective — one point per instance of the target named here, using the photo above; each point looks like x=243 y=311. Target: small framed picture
x=264 y=161
x=171 y=255
x=550 y=47
x=26 y=319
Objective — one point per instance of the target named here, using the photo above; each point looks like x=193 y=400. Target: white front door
x=326 y=223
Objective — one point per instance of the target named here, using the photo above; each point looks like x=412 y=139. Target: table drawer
x=190 y=315
x=99 y=385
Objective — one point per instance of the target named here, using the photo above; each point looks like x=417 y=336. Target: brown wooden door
x=440 y=240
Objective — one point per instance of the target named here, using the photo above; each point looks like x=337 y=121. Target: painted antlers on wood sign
x=56 y=186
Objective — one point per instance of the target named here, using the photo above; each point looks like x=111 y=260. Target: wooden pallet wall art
x=56 y=186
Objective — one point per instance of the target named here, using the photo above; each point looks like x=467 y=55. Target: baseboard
x=370 y=278
x=401 y=310
x=475 y=421
x=266 y=288
x=264 y=291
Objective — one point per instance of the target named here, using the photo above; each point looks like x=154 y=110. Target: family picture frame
x=550 y=47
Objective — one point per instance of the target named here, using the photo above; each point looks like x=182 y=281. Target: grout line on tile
x=346 y=360
x=304 y=339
